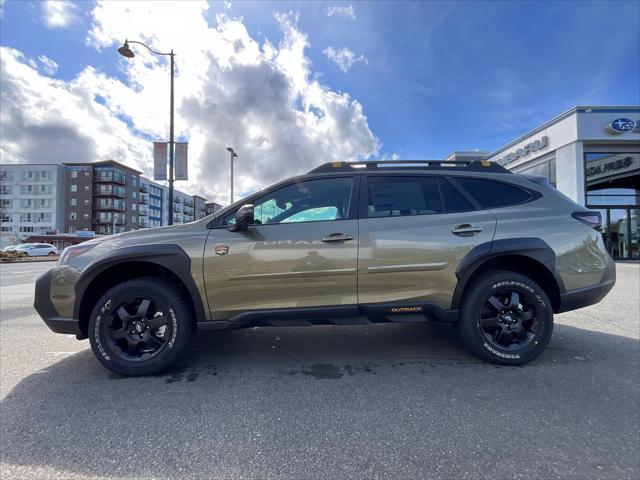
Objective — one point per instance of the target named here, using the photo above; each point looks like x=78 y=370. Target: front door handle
x=337 y=237
x=465 y=230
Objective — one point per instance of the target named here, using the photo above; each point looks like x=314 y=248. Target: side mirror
x=244 y=218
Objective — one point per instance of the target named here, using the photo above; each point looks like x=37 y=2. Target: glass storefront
x=613 y=188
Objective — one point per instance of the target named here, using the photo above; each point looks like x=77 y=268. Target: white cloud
x=50 y=67
x=231 y=90
x=344 y=58
x=45 y=120
x=347 y=12
x=58 y=13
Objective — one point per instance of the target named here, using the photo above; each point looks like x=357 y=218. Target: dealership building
x=592 y=155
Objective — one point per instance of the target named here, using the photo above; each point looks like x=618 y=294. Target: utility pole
x=126 y=51
x=171 y=147
x=232 y=155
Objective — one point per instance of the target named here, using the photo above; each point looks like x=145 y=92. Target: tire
x=502 y=328
x=51 y=254
x=141 y=326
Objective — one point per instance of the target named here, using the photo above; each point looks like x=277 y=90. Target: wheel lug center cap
x=508 y=319
x=139 y=327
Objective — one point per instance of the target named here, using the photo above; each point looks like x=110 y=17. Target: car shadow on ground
x=75 y=416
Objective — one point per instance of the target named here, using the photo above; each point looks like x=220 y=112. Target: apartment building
x=157 y=199
x=200 y=207
x=212 y=207
x=183 y=211
x=102 y=197
x=31 y=200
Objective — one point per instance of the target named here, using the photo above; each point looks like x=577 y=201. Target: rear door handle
x=337 y=237
x=465 y=230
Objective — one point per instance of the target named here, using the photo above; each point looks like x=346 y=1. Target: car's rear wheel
x=51 y=254
x=505 y=318
x=141 y=326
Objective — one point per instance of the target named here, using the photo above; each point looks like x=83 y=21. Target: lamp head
x=125 y=51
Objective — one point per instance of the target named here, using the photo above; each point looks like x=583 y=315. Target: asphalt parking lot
x=380 y=401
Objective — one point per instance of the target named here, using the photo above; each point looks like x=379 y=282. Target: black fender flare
x=531 y=247
x=169 y=256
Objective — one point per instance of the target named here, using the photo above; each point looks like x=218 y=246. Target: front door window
x=310 y=201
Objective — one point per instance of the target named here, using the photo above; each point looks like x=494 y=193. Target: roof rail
x=470 y=166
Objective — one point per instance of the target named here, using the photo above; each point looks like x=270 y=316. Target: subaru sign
x=621 y=125
x=525 y=150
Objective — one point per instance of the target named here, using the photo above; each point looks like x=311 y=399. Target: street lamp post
x=232 y=155
x=126 y=51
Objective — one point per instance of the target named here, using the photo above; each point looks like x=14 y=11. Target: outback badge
x=222 y=250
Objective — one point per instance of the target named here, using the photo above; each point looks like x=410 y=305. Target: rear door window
x=400 y=196
x=492 y=194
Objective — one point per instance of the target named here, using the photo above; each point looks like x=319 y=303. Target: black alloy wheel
x=138 y=328
x=505 y=318
x=508 y=319
x=141 y=326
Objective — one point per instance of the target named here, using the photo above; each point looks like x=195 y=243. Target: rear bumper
x=583 y=297
x=47 y=311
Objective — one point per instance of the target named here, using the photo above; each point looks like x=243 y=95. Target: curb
x=30 y=261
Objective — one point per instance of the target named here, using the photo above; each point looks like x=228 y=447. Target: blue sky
x=433 y=76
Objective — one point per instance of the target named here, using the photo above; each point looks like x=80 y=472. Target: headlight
x=73 y=251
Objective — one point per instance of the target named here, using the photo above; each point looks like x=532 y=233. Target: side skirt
x=338 y=315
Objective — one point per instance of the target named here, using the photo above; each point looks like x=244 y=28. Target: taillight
x=592 y=219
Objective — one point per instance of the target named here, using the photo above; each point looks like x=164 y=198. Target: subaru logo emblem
x=621 y=125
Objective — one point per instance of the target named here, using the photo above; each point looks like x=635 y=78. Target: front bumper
x=45 y=308
x=583 y=297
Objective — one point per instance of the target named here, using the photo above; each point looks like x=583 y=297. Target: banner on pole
x=159 y=160
x=182 y=172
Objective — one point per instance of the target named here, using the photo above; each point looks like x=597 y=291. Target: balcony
x=143 y=223
x=109 y=191
x=144 y=188
x=143 y=211
x=108 y=230
x=108 y=219
x=188 y=203
x=188 y=211
x=177 y=200
x=144 y=199
x=110 y=177
x=109 y=204
x=177 y=209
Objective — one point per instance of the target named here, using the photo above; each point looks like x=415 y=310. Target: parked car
x=37 y=249
x=11 y=248
x=471 y=243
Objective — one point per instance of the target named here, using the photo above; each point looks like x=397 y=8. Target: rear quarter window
x=492 y=194
x=454 y=201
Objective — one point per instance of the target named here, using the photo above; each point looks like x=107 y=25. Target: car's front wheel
x=505 y=318
x=141 y=326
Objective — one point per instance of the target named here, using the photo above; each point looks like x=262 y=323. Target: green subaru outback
x=495 y=252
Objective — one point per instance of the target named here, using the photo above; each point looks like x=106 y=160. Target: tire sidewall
x=476 y=340
x=153 y=289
